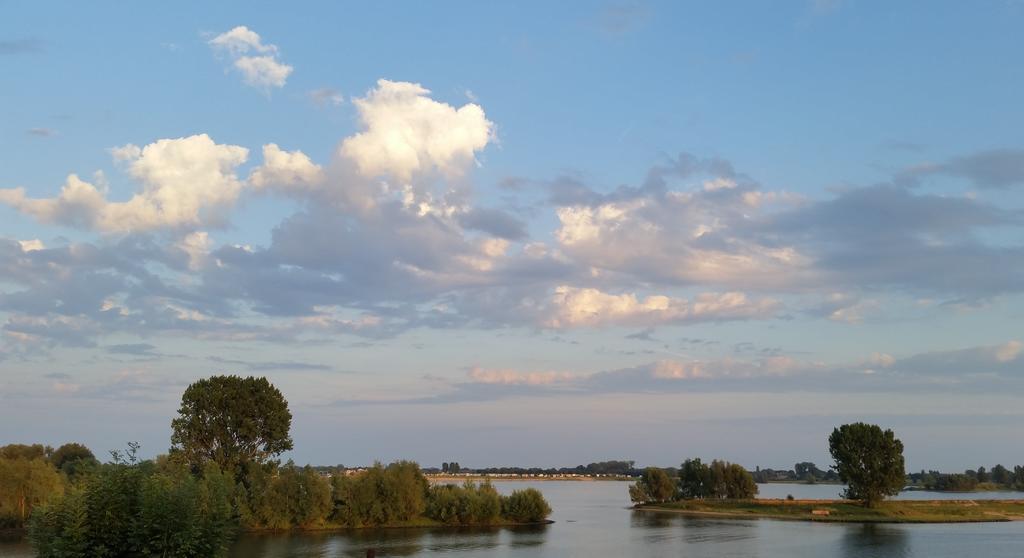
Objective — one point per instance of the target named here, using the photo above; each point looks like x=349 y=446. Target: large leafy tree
x=231 y=421
x=25 y=484
x=74 y=460
x=70 y=452
x=869 y=460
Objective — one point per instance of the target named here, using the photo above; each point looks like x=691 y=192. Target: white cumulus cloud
x=285 y=170
x=407 y=133
x=259 y=63
x=186 y=182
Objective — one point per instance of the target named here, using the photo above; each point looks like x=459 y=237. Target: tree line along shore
x=222 y=477
x=869 y=461
x=996 y=478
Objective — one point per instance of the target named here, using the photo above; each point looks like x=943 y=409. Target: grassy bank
x=905 y=511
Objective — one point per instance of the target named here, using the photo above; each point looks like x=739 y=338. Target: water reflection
x=388 y=542
x=529 y=536
x=874 y=541
x=650 y=520
x=698 y=530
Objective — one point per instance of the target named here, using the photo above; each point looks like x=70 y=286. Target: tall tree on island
x=231 y=421
x=869 y=461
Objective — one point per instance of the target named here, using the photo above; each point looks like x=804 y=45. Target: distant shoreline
x=524 y=478
x=846 y=511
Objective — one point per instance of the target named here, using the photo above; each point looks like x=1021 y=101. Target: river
x=592 y=519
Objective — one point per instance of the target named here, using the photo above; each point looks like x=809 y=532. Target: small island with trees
x=221 y=477
x=868 y=460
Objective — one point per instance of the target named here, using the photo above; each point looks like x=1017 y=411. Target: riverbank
x=845 y=511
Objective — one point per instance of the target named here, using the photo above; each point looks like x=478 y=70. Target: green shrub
x=525 y=506
x=655 y=485
x=380 y=495
x=132 y=508
x=469 y=504
x=720 y=480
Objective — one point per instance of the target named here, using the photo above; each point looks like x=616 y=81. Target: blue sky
x=535 y=234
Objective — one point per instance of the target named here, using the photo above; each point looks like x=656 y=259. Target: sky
x=530 y=233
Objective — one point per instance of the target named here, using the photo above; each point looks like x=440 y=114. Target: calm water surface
x=592 y=519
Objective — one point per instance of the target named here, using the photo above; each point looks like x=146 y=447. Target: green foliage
x=982 y=475
x=381 y=495
x=525 y=506
x=25 y=451
x=654 y=486
x=1017 y=480
x=808 y=472
x=133 y=508
x=24 y=485
x=400 y=494
x=613 y=467
x=285 y=497
x=694 y=480
x=74 y=460
x=1000 y=475
x=231 y=421
x=220 y=476
x=719 y=480
x=70 y=452
x=945 y=482
x=869 y=461
x=731 y=481
x=469 y=504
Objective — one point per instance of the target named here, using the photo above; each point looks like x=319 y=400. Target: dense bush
x=131 y=508
x=283 y=497
x=654 y=486
x=165 y=508
x=956 y=482
x=525 y=506
x=463 y=505
x=696 y=480
x=731 y=481
x=720 y=479
x=399 y=493
x=380 y=495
